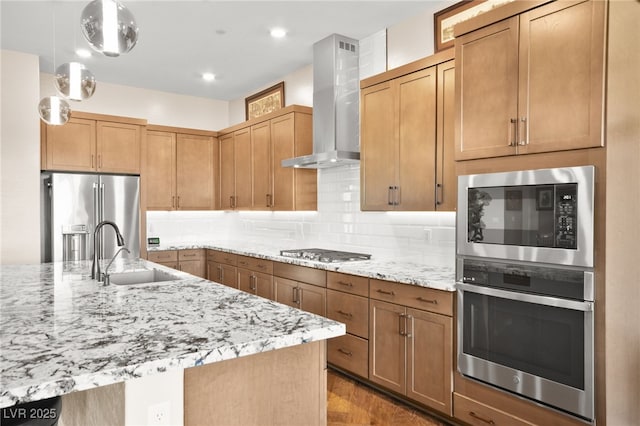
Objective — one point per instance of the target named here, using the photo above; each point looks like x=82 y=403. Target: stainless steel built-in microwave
x=544 y=215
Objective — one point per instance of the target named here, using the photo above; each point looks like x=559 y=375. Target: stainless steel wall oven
x=525 y=285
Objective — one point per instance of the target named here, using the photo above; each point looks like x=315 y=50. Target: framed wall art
x=264 y=102
x=444 y=20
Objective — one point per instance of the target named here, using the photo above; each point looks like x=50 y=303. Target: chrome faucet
x=106 y=270
x=96 y=274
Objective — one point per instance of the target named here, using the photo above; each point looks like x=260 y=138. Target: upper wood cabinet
x=531 y=83
x=93 y=143
x=251 y=177
x=179 y=169
x=407 y=139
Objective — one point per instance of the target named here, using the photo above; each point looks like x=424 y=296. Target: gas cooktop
x=326 y=256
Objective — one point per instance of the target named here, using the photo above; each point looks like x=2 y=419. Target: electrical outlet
x=159 y=414
x=427 y=234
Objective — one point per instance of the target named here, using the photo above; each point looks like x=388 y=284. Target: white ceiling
x=179 y=40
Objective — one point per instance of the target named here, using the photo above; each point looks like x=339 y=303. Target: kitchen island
x=61 y=332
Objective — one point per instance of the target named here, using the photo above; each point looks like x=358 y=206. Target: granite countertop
x=414 y=272
x=61 y=332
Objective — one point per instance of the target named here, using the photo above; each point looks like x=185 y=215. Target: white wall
x=168 y=109
x=19 y=159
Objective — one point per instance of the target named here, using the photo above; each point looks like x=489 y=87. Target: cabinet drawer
x=163 y=256
x=350 y=353
x=300 y=273
x=351 y=310
x=348 y=283
x=428 y=299
x=256 y=264
x=478 y=414
x=191 y=254
x=224 y=257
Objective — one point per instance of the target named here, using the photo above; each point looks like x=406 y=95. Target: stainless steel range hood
x=336 y=105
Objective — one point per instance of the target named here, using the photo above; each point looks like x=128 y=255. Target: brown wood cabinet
x=221 y=268
x=251 y=177
x=526 y=85
x=254 y=276
x=191 y=261
x=93 y=143
x=301 y=287
x=404 y=137
x=348 y=302
x=411 y=350
x=179 y=169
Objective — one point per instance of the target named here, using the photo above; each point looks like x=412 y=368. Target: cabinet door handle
x=389 y=197
x=396 y=195
x=390 y=293
x=513 y=131
x=269 y=201
x=173 y=201
x=402 y=325
x=92 y=161
x=347 y=353
x=408 y=326
x=346 y=314
x=438 y=194
x=231 y=201
x=99 y=161
x=523 y=134
x=432 y=301
x=296 y=296
x=482 y=419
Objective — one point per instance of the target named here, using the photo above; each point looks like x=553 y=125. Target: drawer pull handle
x=482 y=419
x=348 y=284
x=346 y=314
x=432 y=301
x=347 y=353
x=262 y=266
x=390 y=293
x=189 y=255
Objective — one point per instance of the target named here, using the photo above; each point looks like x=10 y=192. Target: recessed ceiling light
x=207 y=76
x=278 y=32
x=83 y=53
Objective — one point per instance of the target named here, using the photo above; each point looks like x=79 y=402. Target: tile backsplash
x=338 y=223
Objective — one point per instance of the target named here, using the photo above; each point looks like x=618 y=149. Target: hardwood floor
x=351 y=403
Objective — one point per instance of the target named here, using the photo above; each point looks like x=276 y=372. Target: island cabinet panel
x=179 y=169
x=286 y=386
x=405 y=138
x=411 y=350
x=252 y=177
x=93 y=143
x=544 y=91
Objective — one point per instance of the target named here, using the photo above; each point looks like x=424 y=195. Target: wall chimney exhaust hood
x=336 y=105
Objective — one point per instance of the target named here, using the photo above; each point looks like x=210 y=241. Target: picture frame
x=265 y=102
x=513 y=200
x=446 y=19
x=544 y=198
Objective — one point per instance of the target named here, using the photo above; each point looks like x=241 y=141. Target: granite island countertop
x=61 y=332
x=421 y=273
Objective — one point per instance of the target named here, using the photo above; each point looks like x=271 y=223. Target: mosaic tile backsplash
x=338 y=224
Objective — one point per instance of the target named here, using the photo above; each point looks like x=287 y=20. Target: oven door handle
x=555 y=302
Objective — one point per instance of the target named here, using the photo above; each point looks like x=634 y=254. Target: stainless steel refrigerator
x=73 y=204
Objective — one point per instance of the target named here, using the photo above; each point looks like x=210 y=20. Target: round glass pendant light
x=109 y=27
x=74 y=81
x=54 y=110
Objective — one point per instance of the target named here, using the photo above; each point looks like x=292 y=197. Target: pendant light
x=54 y=110
x=109 y=27
x=74 y=81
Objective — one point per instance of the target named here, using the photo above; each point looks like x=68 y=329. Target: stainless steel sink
x=147 y=276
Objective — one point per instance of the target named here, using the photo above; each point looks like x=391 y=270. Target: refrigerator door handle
x=96 y=215
x=101 y=213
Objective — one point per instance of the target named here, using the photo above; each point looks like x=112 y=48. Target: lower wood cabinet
x=411 y=350
x=350 y=353
x=256 y=283
x=306 y=297
x=221 y=268
x=478 y=414
x=191 y=261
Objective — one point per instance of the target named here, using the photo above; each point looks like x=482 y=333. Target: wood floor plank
x=350 y=403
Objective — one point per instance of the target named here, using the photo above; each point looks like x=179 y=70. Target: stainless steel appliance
x=525 y=284
x=541 y=215
x=528 y=329
x=323 y=255
x=73 y=204
x=336 y=105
